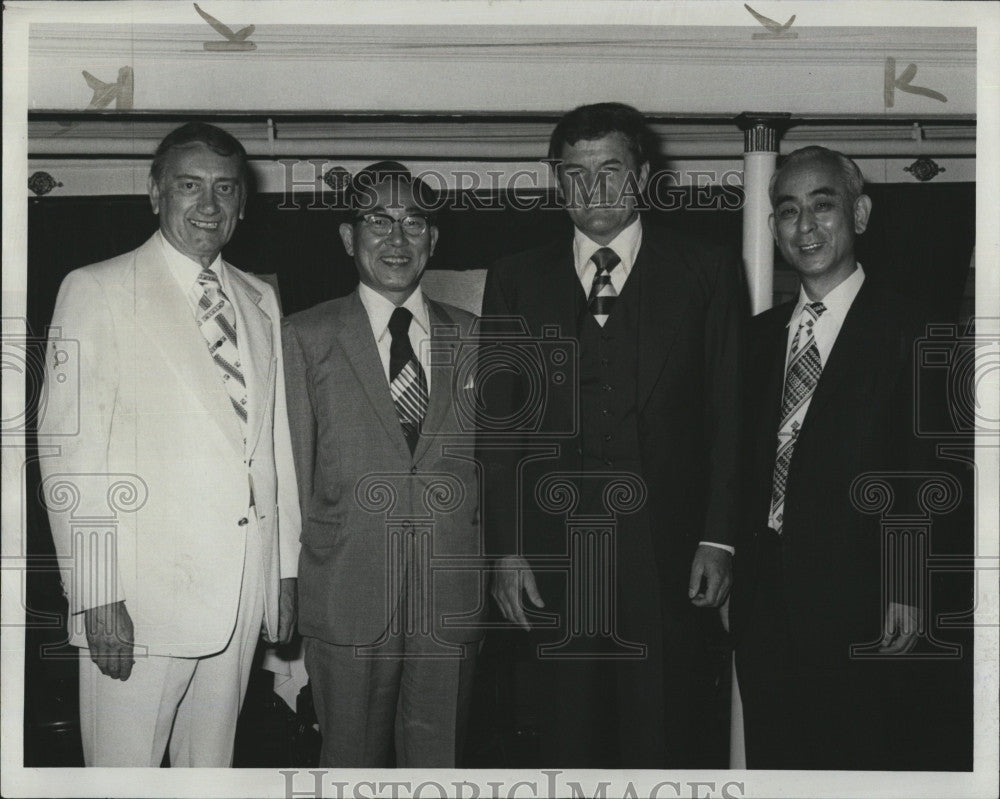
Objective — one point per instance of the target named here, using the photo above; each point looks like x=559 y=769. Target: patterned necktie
x=804 y=368
x=407 y=382
x=602 y=292
x=217 y=322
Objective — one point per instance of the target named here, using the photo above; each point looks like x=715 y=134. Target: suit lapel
x=165 y=317
x=562 y=297
x=354 y=333
x=663 y=296
x=253 y=331
x=852 y=354
x=445 y=338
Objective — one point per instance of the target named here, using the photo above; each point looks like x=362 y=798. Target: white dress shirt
x=626 y=246
x=826 y=329
x=186 y=270
x=379 y=310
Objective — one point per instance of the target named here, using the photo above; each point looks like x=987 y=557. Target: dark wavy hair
x=216 y=139
x=598 y=120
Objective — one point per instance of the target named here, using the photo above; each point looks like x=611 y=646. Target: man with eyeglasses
x=387 y=484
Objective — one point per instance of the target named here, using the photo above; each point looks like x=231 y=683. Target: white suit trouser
x=192 y=703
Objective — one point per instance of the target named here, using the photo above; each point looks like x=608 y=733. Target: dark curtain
x=920 y=239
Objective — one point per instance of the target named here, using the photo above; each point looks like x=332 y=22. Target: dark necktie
x=407 y=381
x=602 y=292
x=804 y=368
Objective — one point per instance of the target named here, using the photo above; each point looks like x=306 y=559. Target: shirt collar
x=837 y=301
x=379 y=310
x=626 y=245
x=184 y=269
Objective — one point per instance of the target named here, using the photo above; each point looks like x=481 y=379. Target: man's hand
x=901 y=623
x=715 y=567
x=287 y=612
x=509 y=576
x=111 y=639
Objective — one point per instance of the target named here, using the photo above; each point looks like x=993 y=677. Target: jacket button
x=243 y=522
x=413 y=470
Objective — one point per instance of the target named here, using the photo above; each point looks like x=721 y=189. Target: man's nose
x=396 y=235
x=807 y=220
x=207 y=201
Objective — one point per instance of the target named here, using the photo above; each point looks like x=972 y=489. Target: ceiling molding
x=478 y=137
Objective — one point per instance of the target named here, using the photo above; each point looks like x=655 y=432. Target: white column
x=760 y=151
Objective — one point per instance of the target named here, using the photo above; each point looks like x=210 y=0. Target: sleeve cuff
x=729 y=549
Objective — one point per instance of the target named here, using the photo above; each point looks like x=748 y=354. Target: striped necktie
x=217 y=323
x=804 y=368
x=407 y=382
x=602 y=292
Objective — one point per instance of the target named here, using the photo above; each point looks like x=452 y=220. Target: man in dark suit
x=389 y=634
x=829 y=399
x=641 y=437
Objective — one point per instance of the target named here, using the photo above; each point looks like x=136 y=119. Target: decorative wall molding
x=476 y=136
x=97 y=177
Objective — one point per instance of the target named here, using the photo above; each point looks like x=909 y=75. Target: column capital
x=761 y=130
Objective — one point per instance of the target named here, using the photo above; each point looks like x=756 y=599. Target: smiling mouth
x=808 y=249
x=395 y=260
x=204 y=225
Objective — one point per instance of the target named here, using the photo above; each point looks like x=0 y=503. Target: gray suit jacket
x=371 y=510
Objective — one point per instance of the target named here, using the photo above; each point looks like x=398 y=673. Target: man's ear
x=347 y=236
x=772 y=226
x=862 y=210
x=154 y=194
x=434 y=238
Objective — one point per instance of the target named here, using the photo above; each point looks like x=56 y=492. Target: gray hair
x=850 y=175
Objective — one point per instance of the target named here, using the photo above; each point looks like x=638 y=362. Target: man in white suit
x=181 y=394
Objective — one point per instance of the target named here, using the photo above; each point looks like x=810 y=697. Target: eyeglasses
x=382 y=224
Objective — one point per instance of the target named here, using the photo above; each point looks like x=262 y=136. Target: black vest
x=609 y=438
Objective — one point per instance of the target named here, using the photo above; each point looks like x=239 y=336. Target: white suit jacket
x=144 y=469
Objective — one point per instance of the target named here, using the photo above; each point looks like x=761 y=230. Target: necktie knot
x=605 y=259
x=207 y=277
x=815 y=309
x=399 y=322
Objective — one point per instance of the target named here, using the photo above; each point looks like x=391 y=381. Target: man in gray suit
x=390 y=583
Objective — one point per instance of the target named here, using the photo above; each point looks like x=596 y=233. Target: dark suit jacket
x=860 y=420
x=358 y=480
x=688 y=386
